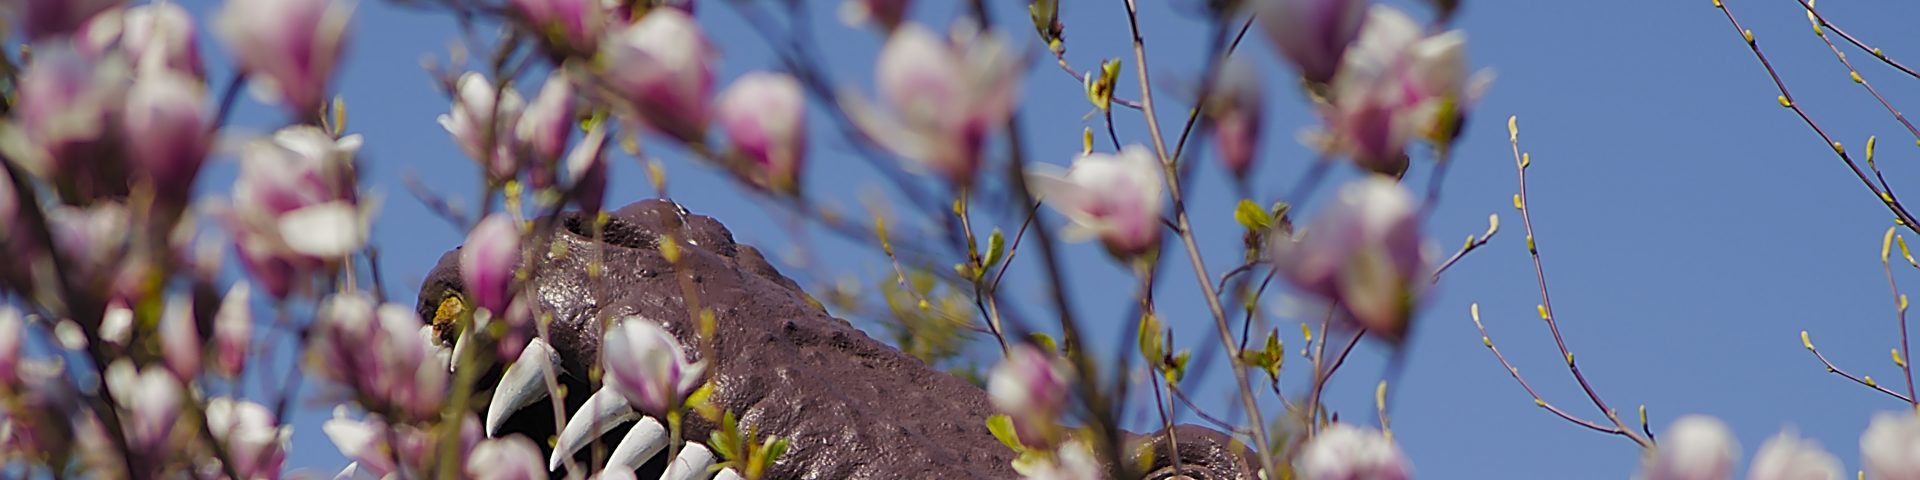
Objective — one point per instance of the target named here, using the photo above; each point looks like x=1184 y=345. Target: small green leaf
x=1001 y=426
x=996 y=248
x=1045 y=342
x=1251 y=216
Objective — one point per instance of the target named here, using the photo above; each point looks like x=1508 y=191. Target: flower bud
x=1313 y=34
x=1031 y=387
x=168 y=130
x=571 y=27
x=660 y=71
x=482 y=121
x=1362 y=252
x=765 y=117
x=488 y=261
x=1236 y=111
x=1118 y=198
x=289 y=47
x=233 y=330
x=648 y=366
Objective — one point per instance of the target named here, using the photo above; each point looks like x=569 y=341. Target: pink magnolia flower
x=91 y=239
x=887 y=13
x=570 y=27
x=290 y=47
x=544 y=127
x=378 y=353
x=1313 y=34
x=1116 y=197
x=587 y=171
x=155 y=37
x=1363 y=252
x=660 y=69
x=1344 y=452
x=255 y=442
x=488 y=261
x=1074 y=460
x=366 y=442
x=647 y=365
x=945 y=97
x=168 y=132
x=233 y=330
x=511 y=458
x=765 y=116
x=12 y=332
x=1396 y=85
x=151 y=399
x=1890 y=448
x=1031 y=387
x=294 y=206
x=1236 y=110
x=482 y=121
x=68 y=118
x=180 y=338
x=1696 y=447
x=1788 y=457
x=43 y=19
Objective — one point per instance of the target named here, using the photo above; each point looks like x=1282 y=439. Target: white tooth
x=642 y=443
x=728 y=474
x=459 y=346
x=602 y=411
x=691 y=464
x=523 y=383
x=440 y=351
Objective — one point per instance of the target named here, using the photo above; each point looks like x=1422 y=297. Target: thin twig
x=1537 y=400
x=1877 y=53
x=1900 y=307
x=1831 y=368
x=1862 y=80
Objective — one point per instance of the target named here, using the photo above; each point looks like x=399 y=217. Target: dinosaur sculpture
x=853 y=407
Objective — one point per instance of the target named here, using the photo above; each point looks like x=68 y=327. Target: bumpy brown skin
x=853 y=407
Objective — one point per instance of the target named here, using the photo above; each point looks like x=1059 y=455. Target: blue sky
x=1691 y=227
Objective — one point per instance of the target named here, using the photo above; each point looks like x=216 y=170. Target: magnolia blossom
x=544 y=127
x=1788 y=457
x=1398 y=84
x=765 y=115
x=648 y=366
x=42 y=19
x=1890 y=448
x=233 y=330
x=661 y=70
x=168 y=132
x=255 y=442
x=1116 y=197
x=511 y=458
x=482 y=121
x=488 y=260
x=569 y=26
x=1362 y=252
x=151 y=398
x=366 y=443
x=294 y=206
x=1696 y=447
x=12 y=332
x=1342 y=451
x=378 y=352
x=887 y=13
x=91 y=239
x=68 y=119
x=1313 y=34
x=945 y=97
x=1074 y=460
x=155 y=37
x=180 y=338
x=587 y=171
x=1032 y=388
x=290 y=47
x=1235 y=107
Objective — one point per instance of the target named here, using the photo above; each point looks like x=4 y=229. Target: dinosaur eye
x=448 y=315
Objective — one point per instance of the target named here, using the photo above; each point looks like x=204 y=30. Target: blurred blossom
x=1695 y=447
x=587 y=171
x=511 y=458
x=378 y=353
x=41 y=387
x=168 y=132
x=150 y=398
x=1073 y=461
x=1362 y=252
x=571 y=27
x=116 y=325
x=1235 y=108
x=365 y=442
x=765 y=116
x=887 y=13
x=1313 y=34
x=1788 y=457
x=289 y=47
x=12 y=333
x=945 y=97
x=485 y=115
x=1890 y=448
x=1398 y=84
x=294 y=206
x=1344 y=452
x=1116 y=197
x=255 y=442
x=233 y=330
x=68 y=120
x=660 y=69
x=488 y=261
x=92 y=239
x=156 y=37
x=544 y=127
x=1030 y=386
x=180 y=338
x=43 y=19
x=647 y=365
